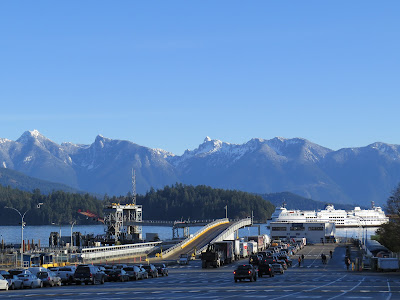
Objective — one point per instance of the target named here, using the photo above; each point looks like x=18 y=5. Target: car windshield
x=1 y=276
x=65 y=269
x=128 y=269
x=245 y=267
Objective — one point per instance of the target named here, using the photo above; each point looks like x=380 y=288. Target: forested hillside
x=58 y=207
x=202 y=202
x=170 y=203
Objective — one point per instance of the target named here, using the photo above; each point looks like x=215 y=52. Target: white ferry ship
x=342 y=218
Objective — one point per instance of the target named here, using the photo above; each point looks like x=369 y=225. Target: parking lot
x=312 y=280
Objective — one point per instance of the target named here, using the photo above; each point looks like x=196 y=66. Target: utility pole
x=226 y=211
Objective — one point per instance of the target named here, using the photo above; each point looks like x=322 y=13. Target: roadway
x=311 y=281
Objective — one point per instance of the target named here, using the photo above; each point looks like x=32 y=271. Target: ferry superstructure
x=342 y=218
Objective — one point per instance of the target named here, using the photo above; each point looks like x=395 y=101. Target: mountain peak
x=207 y=139
x=30 y=135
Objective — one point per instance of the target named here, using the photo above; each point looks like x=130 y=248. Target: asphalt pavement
x=311 y=280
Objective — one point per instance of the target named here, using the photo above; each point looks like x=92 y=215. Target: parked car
x=151 y=270
x=277 y=268
x=286 y=258
x=253 y=259
x=3 y=283
x=265 y=269
x=66 y=274
x=283 y=263
x=30 y=281
x=184 y=259
x=162 y=269
x=14 y=282
x=49 y=278
x=88 y=274
x=118 y=275
x=35 y=270
x=18 y=271
x=143 y=273
x=133 y=272
x=245 y=272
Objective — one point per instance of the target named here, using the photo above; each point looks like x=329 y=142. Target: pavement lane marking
x=389 y=290
x=344 y=293
x=309 y=290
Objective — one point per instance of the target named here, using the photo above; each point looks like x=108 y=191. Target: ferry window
x=278 y=228
x=315 y=228
x=296 y=228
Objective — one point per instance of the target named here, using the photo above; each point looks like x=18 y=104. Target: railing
x=230 y=230
x=117 y=251
x=182 y=244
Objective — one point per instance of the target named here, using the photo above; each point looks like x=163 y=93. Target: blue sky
x=165 y=74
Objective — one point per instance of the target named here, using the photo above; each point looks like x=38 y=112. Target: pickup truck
x=66 y=274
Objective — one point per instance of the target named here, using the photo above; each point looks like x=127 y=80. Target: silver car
x=13 y=281
x=30 y=281
x=49 y=278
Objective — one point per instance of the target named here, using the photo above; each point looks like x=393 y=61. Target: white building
x=314 y=232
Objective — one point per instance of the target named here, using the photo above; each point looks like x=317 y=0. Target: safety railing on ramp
x=182 y=244
x=108 y=252
x=229 y=231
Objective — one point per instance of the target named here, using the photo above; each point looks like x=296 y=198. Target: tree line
x=170 y=203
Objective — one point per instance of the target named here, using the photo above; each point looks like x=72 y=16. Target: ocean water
x=12 y=234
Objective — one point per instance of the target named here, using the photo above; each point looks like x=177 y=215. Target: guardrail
x=117 y=251
x=231 y=229
x=182 y=244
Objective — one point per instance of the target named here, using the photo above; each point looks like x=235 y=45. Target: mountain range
x=349 y=175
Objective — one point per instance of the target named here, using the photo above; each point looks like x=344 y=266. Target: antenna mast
x=133 y=186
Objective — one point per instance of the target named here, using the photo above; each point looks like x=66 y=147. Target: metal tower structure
x=123 y=220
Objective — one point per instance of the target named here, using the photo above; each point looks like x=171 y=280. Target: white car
x=30 y=281
x=3 y=283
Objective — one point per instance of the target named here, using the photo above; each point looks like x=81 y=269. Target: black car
x=265 y=268
x=88 y=274
x=118 y=275
x=253 y=259
x=245 y=272
x=162 y=269
x=133 y=272
x=151 y=270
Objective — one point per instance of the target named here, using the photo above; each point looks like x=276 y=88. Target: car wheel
x=51 y=283
x=78 y=283
x=12 y=287
x=41 y=284
x=251 y=279
x=255 y=277
x=6 y=286
x=235 y=280
x=102 y=281
x=31 y=285
x=260 y=274
x=166 y=274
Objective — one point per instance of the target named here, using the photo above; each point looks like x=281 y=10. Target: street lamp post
x=22 y=229
x=72 y=226
x=226 y=211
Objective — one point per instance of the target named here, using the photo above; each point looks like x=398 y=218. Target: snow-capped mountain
x=351 y=175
